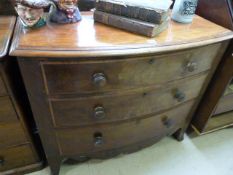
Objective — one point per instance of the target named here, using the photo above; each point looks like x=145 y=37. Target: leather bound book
x=150 y=11
x=131 y=25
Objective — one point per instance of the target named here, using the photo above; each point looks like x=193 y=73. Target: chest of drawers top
x=90 y=39
x=6 y=29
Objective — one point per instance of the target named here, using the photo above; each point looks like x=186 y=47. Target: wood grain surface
x=17 y=157
x=73 y=77
x=61 y=64
x=18 y=153
x=118 y=135
x=125 y=105
x=86 y=38
x=12 y=135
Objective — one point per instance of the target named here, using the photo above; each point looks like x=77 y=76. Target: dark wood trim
x=215 y=90
x=42 y=117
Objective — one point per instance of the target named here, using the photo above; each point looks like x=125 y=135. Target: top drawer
x=2 y=88
x=70 y=77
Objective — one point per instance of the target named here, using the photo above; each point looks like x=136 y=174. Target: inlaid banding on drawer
x=108 y=108
x=7 y=112
x=76 y=77
x=112 y=136
x=12 y=134
x=3 y=91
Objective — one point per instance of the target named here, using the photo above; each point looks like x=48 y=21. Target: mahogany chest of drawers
x=98 y=91
x=17 y=152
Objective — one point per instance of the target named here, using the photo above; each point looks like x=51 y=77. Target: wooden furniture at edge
x=216 y=108
x=97 y=91
x=17 y=152
x=6 y=8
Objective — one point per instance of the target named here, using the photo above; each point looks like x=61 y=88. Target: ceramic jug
x=184 y=10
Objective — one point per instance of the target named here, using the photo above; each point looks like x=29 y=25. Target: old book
x=153 y=11
x=131 y=25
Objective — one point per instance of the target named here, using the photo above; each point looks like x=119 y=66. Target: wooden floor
x=210 y=154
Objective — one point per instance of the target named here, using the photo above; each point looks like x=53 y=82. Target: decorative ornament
x=65 y=11
x=32 y=12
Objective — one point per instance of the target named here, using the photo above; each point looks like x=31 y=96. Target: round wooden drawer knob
x=2 y=161
x=180 y=96
x=191 y=66
x=99 y=79
x=98 y=139
x=167 y=122
x=99 y=112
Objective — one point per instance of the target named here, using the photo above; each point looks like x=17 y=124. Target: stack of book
x=145 y=17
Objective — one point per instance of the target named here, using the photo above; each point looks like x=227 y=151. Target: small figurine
x=66 y=11
x=31 y=12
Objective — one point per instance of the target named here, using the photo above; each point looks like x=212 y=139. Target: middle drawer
x=131 y=104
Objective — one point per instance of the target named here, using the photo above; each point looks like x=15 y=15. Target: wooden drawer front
x=225 y=104
x=16 y=157
x=112 y=136
x=2 y=88
x=11 y=134
x=98 y=76
x=7 y=112
x=100 y=109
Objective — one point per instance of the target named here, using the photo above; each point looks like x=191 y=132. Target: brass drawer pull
x=98 y=139
x=179 y=95
x=99 y=79
x=191 y=66
x=2 y=161
x=99 y=112
x=167 y=122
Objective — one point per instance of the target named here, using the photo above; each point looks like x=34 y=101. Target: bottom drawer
x=115 y=135
x=16 y=157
